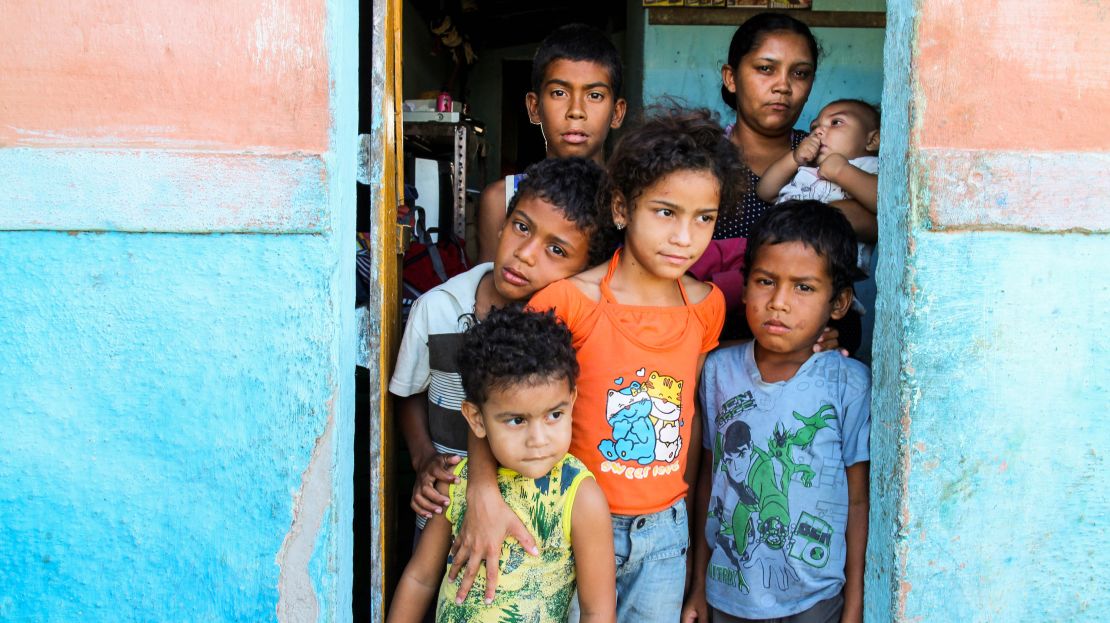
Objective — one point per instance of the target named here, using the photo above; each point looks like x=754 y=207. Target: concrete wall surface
x=990 y=374
x=176 y=217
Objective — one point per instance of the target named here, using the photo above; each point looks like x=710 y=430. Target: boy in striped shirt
x=552 y=231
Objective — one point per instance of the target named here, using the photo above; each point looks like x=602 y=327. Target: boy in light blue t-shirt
x=786 y=437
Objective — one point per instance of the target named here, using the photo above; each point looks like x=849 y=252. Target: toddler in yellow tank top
x=518 y=371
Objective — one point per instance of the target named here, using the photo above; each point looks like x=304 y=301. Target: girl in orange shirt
x=642 y=328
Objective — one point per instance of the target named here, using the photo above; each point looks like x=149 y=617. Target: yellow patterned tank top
x=530 y=588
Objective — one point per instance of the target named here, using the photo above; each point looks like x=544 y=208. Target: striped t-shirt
x=512 y=183
x=426 y=361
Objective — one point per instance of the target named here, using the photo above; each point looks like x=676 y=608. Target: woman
x=772 y=61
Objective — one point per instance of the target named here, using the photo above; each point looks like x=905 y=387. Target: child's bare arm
x=695 y=607
x=863 y=222
x=783 y=170
x=859 y=482
x=591 y=537
x=861 y=185
x=488 y=522
x=491 y=217
x=692 y=475
x=419 y=584
x=430 y=466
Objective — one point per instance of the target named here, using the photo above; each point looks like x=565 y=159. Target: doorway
x=386 y=498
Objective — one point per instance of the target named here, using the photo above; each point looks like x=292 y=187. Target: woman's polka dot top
x=739 y=223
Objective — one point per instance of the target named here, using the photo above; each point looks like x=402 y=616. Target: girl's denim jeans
x=651 y=565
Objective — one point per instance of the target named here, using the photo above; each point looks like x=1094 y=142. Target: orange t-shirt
x=636 y=389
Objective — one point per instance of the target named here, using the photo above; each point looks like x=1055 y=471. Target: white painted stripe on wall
x=161 y=191
x=1019 y=191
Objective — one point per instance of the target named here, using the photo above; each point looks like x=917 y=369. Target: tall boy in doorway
x=575 y=99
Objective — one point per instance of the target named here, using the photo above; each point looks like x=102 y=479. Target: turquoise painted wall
x=178 y=384
x=988 y=451
x=163 y=396
x=887 y=539
x=685 y=62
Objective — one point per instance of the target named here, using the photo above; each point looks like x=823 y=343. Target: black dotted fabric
x=739 y=223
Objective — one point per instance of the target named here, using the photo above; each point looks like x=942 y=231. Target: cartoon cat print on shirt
x=666 y=399
x=645 y=418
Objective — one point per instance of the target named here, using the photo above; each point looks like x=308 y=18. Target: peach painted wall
x=117 y=73
x=993 y=81
x=1013 y=94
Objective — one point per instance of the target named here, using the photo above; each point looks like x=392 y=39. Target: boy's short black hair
x=672 y=138
x=513 y=346
x=581 y=189
x=815 y=224
x=577 y=42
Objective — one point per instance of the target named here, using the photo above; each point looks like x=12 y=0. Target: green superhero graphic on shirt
x=761 y=515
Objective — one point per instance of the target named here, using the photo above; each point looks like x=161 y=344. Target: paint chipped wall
x=988 y=502
x=177 y=193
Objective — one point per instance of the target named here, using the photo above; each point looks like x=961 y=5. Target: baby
x=838 y=160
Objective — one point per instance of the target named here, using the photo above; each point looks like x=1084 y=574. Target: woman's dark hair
x=514 y=346
x=579 y=188
x=669 y=139
x=815 y=224
x=750 y=35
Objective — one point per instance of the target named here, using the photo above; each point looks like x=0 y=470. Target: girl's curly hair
x=672 y=138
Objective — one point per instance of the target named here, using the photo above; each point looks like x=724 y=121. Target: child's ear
x=728 y=77
x=532 y=105
x=619 y=110
x=873 y=141
x=620 y=210
x=473 y=417
x=841 y=302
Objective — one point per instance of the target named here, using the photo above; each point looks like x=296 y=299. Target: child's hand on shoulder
x=807 y=150
x=487 y=524
x=829 y=340
x=832 y=167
